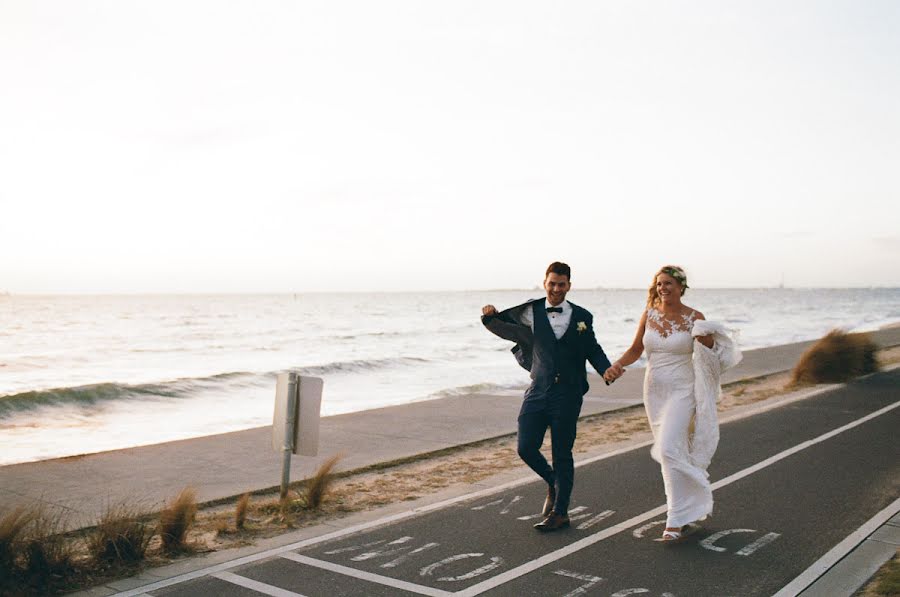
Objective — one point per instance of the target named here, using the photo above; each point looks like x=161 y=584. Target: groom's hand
x=489 y=310
x=613 y=373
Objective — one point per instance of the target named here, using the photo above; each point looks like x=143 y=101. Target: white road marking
x=590 y=581
x=710 y=542
x=759 y=543
x=500 y=501
x=574 y=513
x=638 y=533
x=406 y=556
x=836 y=553
x=553 y=556
x=598 y=518
x=367 y=576
x=496 y=562
x=358 y=547
x=249 y=583
x=378 y=553
x=287 y=549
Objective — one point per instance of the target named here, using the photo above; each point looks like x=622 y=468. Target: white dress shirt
x=558 y=321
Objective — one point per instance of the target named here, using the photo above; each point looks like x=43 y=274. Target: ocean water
x=81 y=374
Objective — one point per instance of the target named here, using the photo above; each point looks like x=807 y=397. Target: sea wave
x=360 y=365
x=93 y=394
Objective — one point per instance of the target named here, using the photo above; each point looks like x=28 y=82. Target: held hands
x=614 y=372
x=489 y=310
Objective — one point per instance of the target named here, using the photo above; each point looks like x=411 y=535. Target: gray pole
x=288 y=446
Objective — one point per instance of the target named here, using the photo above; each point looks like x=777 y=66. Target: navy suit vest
x=553 y=361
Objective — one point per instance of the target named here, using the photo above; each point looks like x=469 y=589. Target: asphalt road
x=790 y=484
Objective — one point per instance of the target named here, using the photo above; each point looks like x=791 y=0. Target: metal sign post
x=295 y=427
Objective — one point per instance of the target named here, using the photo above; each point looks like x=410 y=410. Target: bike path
x=790 y=483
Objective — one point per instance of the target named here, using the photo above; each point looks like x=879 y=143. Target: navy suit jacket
x=506 y=324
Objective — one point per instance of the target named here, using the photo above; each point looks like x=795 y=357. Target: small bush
x=836 y=358
x=176 y=519
x=317 y=486
x=120 y=537
x=240 y=511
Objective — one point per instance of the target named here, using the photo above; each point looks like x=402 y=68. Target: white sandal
x=671 y=536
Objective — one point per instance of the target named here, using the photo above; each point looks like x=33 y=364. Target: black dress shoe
x=554 y=522
x=548 y=503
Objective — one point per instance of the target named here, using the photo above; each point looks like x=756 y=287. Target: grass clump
x=12 y=539
x=836 y=358
x=36 y=557
x=317 y=487
x=121 y=537
x=49 y=553
x=176 y=519
x=240 y=511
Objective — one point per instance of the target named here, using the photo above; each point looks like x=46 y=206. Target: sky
x=246 y=146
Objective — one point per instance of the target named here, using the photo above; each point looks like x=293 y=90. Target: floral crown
x=676 y=273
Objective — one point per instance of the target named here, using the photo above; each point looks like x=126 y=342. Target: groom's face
x=556 y=286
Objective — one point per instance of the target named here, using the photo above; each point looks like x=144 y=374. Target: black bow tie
x=554 y=309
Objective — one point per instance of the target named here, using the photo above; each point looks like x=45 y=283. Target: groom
x=553 y=340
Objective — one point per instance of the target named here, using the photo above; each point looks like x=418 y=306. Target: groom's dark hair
x=560 y=269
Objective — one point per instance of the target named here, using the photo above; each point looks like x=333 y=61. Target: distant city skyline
x=200 y=147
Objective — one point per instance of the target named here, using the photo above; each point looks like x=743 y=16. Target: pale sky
x=247 y=146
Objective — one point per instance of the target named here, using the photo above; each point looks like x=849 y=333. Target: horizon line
x=4 y=294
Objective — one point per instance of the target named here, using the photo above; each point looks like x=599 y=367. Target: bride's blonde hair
x=672 y=270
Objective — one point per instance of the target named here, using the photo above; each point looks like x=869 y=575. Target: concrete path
x=230 y=464
x=792 y=485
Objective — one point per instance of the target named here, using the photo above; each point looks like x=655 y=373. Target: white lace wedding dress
x=670 y=402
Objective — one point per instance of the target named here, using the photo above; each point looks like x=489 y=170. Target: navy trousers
x=557 y=408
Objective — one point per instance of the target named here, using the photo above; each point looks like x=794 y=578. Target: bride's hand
x=614 y=372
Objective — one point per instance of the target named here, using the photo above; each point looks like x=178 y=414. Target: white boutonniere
x=581 y=326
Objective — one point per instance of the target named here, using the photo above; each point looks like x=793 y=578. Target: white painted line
x=140 y=592
x=260 y=587
x=368 y=576
x=758 y=544
x=823 y=564
x=553 y=556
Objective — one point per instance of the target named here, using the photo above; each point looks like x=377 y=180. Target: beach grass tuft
x=12 y=535
x=240 y=511
x=13 y=525
x=49 y=554
x=836 y=358
x=316 y=488
x=121 y=537
x=176 y=519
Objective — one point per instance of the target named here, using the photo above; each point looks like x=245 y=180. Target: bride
x=685 y=357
